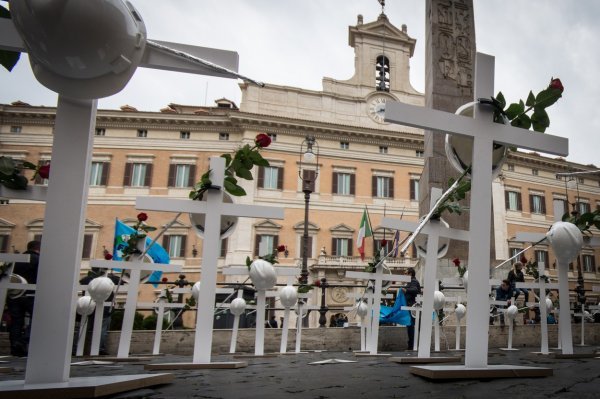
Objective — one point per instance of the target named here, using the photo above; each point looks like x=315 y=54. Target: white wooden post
x=484 y=133
x=259 y=339
x=417 y=310
x=365 y=323
x=378 y=277
x=434 y=230
x=300 y=308
x=286 y=322
x=133 y=287
x=213 y=208
x=5 y=283
x=542 y=286
x=98 y=316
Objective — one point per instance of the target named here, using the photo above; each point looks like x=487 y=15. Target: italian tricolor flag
x=363 y=232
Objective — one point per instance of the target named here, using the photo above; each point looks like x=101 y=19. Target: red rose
x=164 y=279
x=317 y=283
x=44 y=171
x=556 y=84
x=280 y=248
x=456 y=262
x=108 y=256
x=262 y=140
x=142 y=216
x=383 y=243
x=523 y=259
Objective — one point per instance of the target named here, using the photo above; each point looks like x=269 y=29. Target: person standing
x=19 y=307
x=411 y=290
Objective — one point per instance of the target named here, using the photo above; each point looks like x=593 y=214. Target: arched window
x=382 y=74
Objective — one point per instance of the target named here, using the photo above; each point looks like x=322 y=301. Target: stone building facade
x=363 y=161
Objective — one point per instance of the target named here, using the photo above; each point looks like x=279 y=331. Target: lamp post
x=324 y=309
x=308 y=170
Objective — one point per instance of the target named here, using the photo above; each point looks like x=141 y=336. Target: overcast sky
x=298 y=42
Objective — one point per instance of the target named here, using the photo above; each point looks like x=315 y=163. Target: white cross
x=484 y=133
x=132 y=293
x=236 y=321
x=434 y=230
x=286 y=323
x=54 y=316
x=5 y=283
x=365 y=324
x=300 y=308
x=98 y=316
x=213 y=208
x=261 y=295
x=542 y=286
x=379 y=277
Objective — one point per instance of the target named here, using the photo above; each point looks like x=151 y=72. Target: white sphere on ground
x=196 y=290
x=100 y=288
x=465 y=280
x=439 y=300
x=238 y=306
x=549 y=304
x=262 y=274
x=362 y=309
x=566 y=241
x=511 y=312
x=288 y=296
x=85 y=306
x=460 y=311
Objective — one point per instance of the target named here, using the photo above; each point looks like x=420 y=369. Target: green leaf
x=148 y=228
x=540 y=120
x=500 y=99
x=231 y=179
x=515 y=109
x=530 y=99
x=522 y=121
x=227 y=159
x=234 y=189
x=258 y=159
x=248 y=261
x=7 y=165
x=29 y=165
x=547 y=97
x=244 y=173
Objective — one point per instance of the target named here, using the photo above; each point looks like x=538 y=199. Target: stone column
x=449 y=74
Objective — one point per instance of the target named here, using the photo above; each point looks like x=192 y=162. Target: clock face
x=377 y=109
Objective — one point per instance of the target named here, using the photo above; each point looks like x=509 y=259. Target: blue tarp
x=393 y=314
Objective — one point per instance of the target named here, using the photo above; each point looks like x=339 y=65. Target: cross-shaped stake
x=542 y=285
x=132 y=293
x=379 y=278
x=434 y=230
x=98 y=316
x=5 y=283
x=301 y=307
x=484 y=133
x=366 y=324
x=261 y=295
x=286 y=321
x=213 y=208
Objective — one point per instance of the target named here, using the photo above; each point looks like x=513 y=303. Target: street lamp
x=308 y=170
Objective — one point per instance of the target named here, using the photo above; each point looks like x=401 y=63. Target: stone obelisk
x=449 y=73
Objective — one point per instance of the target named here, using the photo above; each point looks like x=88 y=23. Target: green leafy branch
x=532 y=269
x=238 y=166
x=451 y=203
x=584 y=221
x=516 y=113
x=10 y=172
x=271 y=258
x=140 y=234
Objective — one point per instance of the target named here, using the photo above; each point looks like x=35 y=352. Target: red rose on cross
x=556 y=84
x=142 y=217
x=456 y=262
x=262 y=140
x=44 y=171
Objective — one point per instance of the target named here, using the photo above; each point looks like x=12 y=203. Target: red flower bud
x=280 y=248
x=456 y=262
x=262 y=140
x=317 y=283
x=383 y=243
x=142 y=217
x=44 y=171
x=164 y=279
x=108 y=256
x=556 y=84
x=523 y=259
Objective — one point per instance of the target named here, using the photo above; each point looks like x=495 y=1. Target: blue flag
x=156 y=252
x=393 y=314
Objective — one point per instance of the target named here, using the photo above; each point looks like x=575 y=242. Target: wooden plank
x=195 y=366
x=492 y=371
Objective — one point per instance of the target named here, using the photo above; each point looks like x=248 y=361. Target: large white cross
x=213 y=208
x=434 y=230
x=133 y=287
x=365 y=323
x=379 y=278
x=301 y=307
x=484 y=133
x=54 y=317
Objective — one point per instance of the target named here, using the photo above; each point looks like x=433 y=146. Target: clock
x=376 y=108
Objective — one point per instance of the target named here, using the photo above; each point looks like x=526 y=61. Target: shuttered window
x=137 y=175
x=414 y=189
x=343 y=183
x=270 y=177
x=537 y=203
x=341 y=246
x=513 y=200
x=175 y=245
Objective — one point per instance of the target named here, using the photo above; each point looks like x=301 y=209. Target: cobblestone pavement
x=292 y=377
